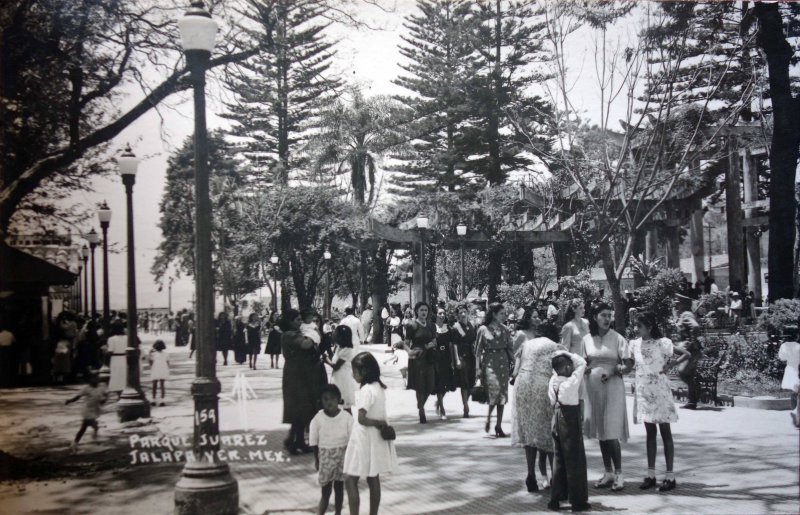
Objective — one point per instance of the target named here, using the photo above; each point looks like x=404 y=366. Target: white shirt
x=790 y=353
x=330 y=432
x=567 y=390
x=356 y=327
x=736 y=304
x=552 y=311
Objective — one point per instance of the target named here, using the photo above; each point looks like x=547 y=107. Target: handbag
x=479 y=393
x=388 y=433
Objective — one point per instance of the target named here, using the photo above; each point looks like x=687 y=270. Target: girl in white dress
x=117 y=346
x=159 y=368
x=342 y=375
x=368 y=454
x=653 y=403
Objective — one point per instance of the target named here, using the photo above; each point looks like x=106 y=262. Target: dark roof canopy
x=19 y=269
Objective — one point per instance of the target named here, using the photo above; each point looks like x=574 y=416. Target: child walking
x=368 y=454
x=159 y=368
x=328 y=435
x=569 y=467
x=341 y=363
x=95 y=394
x=653 y=402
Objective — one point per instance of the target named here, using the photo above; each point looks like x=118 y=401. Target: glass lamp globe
x=104 y=213
x=327 y=255
x=93 y=238
x=85 y=252
x=461 y=229
x=422 y=222
x=198 y=30
x=274 y=259
x=128 y=162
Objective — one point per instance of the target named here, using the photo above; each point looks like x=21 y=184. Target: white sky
x=367 y=57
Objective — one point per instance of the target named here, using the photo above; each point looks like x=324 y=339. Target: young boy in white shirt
x=569 y=465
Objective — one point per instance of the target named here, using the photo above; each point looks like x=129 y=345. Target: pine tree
x=441 y=64
x=279 y=93
x=509 y=40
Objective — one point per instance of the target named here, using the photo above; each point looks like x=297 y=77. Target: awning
x=20 y=270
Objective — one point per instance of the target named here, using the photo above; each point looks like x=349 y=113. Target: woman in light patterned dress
x=606 y=418
x=494 y=359
x=533 y=413
x=653 y=402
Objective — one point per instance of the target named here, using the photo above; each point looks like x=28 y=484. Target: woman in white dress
x=159 y=368
x=341 y=363
x=117 y=347
x=790 y=353
x=576 y=327
x=653 y=403
x=368 y=454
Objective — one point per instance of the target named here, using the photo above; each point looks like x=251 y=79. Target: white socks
x=651 y=473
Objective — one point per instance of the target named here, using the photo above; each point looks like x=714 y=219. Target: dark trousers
x=569 y=464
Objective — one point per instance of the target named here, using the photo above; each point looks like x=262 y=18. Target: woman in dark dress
x=224 y=335
x=421 y=345
x=462 y=338
x=253 y=339
x=444 y=362
x=274 y=341
x=240 y=342
x=301 y=381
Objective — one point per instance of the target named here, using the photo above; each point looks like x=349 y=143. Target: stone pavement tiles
x=728 y=460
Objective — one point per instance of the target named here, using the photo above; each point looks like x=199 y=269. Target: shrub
x=781 y=313
x=574 y=286
x=748 y=382
x=515 y=296
x=751 y=354
x=709 y=302
x=658 y=294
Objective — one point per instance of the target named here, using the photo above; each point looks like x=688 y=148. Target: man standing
x=351 y=321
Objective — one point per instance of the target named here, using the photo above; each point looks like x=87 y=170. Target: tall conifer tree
x=441 y=62
x=279 y=93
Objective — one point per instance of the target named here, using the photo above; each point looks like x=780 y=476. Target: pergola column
x=733 y=211
x=752 y=236
x=563 y=256
x=696 y=236
x=651 y=243
x=672 y=234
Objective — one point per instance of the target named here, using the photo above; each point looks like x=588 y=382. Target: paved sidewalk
x=728 y=460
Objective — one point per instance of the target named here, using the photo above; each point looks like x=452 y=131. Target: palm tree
x=353 y=135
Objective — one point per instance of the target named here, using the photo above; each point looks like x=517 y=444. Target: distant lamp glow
x=128 y=162
x=422 y=222
x=198 y=30
x=327 y=255
x=274 y=259
x=461 y=229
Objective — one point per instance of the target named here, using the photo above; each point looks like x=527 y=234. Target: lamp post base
x=208 y=488
x=132 y=405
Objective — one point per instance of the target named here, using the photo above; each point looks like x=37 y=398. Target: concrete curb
x=767 y=403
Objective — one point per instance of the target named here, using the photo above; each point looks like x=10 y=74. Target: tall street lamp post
x=327 y=256
x=132 y=403
x=77 y=290
x=169 y=297
x=104 y=215
x=422 y=224
x=85 y=259
x=461 y=229
x=206 y=485
x=94 y=239
x=274 y=261
x=410 y=276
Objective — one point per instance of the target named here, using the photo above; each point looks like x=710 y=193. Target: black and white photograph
x=399 y=257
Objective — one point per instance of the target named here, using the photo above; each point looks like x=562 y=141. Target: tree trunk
x=784 y=150
x=363 y=276
x=495 y=273
x=380 y=292
x=614 y=285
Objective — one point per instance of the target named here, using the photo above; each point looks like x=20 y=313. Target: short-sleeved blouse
x=606 y=351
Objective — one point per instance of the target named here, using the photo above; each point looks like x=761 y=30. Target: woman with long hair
x=301 y=381
x=533 y=421
x=463 y=335
x=493 y=354
x=608 y=355
x=421 y=346
x=575 y=328
x=653 y=402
